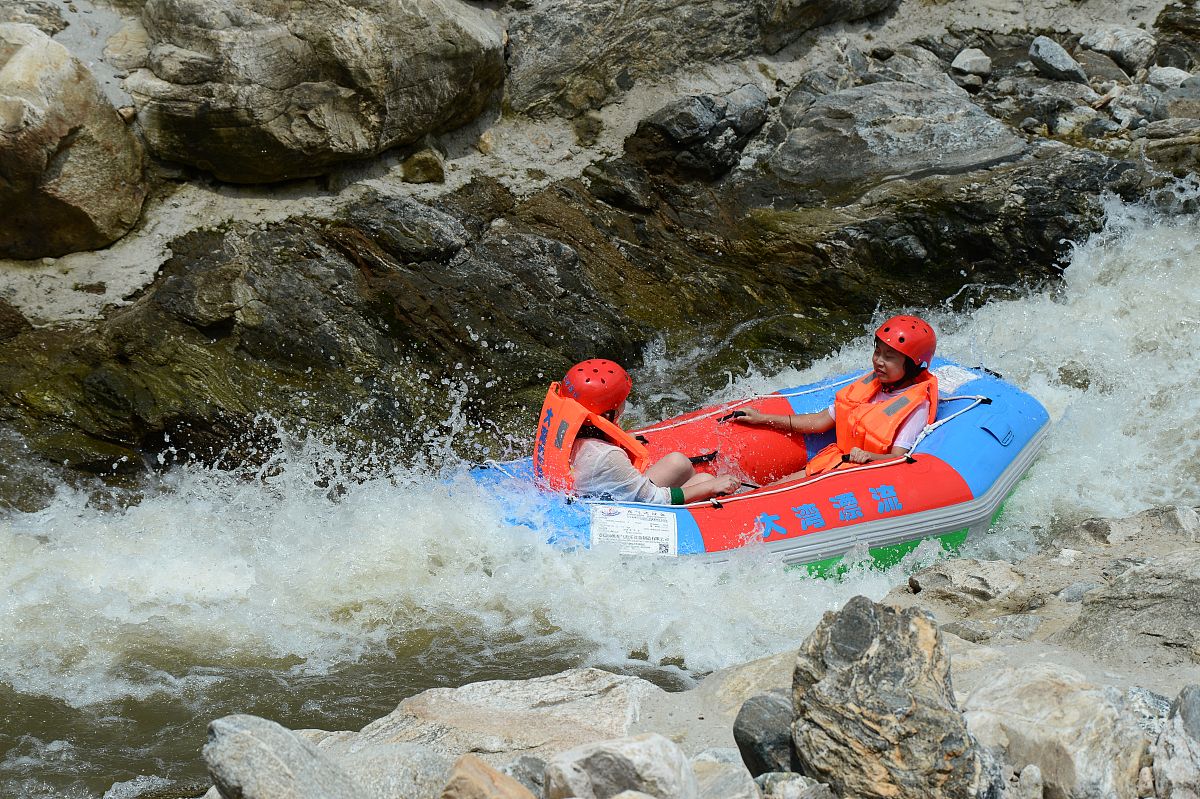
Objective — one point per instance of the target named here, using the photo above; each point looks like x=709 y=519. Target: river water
x=125 y=628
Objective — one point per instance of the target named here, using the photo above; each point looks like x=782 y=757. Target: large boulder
x=1177 y=750
x=1083 y=738
x=868 y=133
x=1151 y=602
x=875 y=714
x=253 y=758
x=70 y=169
x=569 y=56
x=258 y=91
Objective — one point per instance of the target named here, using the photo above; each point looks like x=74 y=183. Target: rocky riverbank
x=1072 y=673
x=527 y=196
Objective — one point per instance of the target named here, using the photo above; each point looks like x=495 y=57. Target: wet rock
x=648 y=763
x=529 y=771
x=1177 y=31
x=1149 y=602
x=972 y=61
x=1081 y=736
x=45 y=15
x=252 y=758
x=1131 y=48
x=70 y=169
x=1054 y=62
x=1177 y=750
x=1165 y=78
x=763 y=733
x=786 y=785
x=873 y=707
x=1099 y=67
x=861 y=135
x=965 y=582
x=409 y=230
x=717 y=778
x=12 y=323
x=258 y=91
x=472 y=778
x=699 y=137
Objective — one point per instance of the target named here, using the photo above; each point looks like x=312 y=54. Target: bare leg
x=787 y=478
x=673 y=470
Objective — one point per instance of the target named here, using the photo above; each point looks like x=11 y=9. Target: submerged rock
x=875 y=714
x=257 y=91
x=70 y=169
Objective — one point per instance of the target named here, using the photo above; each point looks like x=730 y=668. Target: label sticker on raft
x=637 y=531
x=952 y=378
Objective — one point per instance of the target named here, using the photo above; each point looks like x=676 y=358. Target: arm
x=862 y=456
x=818 y=422
x=713 y=486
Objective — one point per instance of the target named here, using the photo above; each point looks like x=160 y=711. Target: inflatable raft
x=952 y=483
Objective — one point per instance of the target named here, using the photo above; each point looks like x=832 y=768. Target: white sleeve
x=604 y=470
x=907 y=435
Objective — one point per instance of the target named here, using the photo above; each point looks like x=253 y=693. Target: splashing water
x=126 y=627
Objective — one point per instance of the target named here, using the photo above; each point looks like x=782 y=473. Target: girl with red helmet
x=602 y=460
x=866 y=413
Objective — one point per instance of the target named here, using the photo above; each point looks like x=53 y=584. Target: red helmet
x=910 y=335
x=598 y=385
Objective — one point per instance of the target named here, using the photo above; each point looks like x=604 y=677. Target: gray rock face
x=700 y=136
x=874 y=707
x=1177 y=751
x=70 y=169
x=569 y=56
x=259 y=91
x=785 y=20
x=883 y=130
x=397 y=770
x=1054 y=62
x=1166 y=77
x=763 y=733
x=408 y=230
x=786 y=785
x=1084 y=739
x=1132 y=48
x=253 y=758
x=1154 y=601
x=648 y=763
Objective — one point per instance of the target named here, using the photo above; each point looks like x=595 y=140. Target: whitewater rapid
x=214 y=592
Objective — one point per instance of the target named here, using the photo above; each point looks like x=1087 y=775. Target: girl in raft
x=580 y=449
x=879 y=416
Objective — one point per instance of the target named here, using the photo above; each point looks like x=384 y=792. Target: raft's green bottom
x=884 y=557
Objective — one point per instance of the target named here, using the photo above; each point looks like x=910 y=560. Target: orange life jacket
x=559 y=424
x=872 y=425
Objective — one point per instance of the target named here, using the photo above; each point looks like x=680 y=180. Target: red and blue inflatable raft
x=951 y=485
